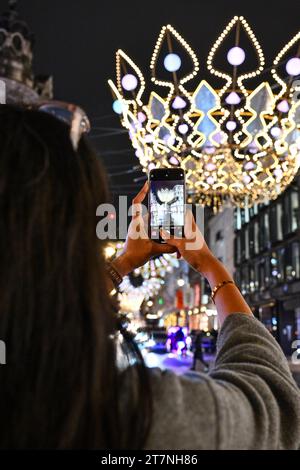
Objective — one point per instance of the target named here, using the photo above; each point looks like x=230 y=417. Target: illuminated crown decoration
x=233 y=143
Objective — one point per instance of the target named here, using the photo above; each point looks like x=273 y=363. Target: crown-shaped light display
x=232 y=142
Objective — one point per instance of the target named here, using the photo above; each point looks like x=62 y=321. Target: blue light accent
x=117 y=107
x=157 y=109
x=172 y=62
x=205 y=100
x=164 y=133
x=206 y=126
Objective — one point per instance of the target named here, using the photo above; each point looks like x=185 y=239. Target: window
x=256 y=275
x=291 y=215
x=251 y=240
x=246 y=235
x=252 y=286
x=279 y=220
x=281 y=264
x=256 y=237
x=243 y=246
x=253 y=210
x=237 y=277
x=296 y=258
x=264 y=231
x=292 y=261
x=245 y=279
x=237 y=219
x=274 y=268
x=247 y=214
x=276 y=222
x=219 y=235
x=242 y=216
x=264 y=274
x=294 y=209
x=237 y=249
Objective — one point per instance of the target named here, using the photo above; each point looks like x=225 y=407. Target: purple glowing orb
x=236 y=56
x=293 y=66
x=183 y=128
x=178 y=103
x=233 y=98
x=230 y=125
x=129 y=82
x=283 y=106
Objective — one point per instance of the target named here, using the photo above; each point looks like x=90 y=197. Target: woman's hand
x=192 y=247
x=138 y=248
x=196 y=252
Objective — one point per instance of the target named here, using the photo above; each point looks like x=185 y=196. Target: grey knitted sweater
x=248 y=401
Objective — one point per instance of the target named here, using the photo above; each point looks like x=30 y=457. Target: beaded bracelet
x=114 y=275
x=219 y=286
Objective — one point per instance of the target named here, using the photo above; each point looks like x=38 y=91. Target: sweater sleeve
x=248 y=401
x=257 y=400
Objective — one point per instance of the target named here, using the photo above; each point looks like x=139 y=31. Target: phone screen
x=166 y=202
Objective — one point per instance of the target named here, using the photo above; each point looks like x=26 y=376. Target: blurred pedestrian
x=198 y=351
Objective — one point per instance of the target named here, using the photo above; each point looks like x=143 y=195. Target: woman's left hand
x=139 y=248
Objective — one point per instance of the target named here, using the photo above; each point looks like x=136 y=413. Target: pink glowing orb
x=249 y=166
x=148 y=138
x=210 y=180
x=173 y=160
x=210 y=166
x=141 y=117
x=278 y=172
x=210 y=149
x=178 y=103
x=236 y=56
x=283 y=106
x=253 y=147
x=129 y=82
x=293 y=66
x=233 y=98
x=246 y=179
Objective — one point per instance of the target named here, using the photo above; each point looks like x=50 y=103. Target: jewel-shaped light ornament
x=234 y=143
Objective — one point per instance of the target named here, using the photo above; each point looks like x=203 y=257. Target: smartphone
x=166 y=202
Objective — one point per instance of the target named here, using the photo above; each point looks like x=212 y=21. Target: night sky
x=76 y=42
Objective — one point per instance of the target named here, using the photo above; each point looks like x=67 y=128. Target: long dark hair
x=61 y=386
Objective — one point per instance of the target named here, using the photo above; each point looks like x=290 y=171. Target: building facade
x=221 y=237
x=267 y=263
x=16 y=61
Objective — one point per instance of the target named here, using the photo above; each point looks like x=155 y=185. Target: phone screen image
x=167 y=207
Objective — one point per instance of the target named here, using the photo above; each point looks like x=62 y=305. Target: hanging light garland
x=233 y=143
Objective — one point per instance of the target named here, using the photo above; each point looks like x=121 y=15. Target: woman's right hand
x=196 y=252
x=192 y=247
